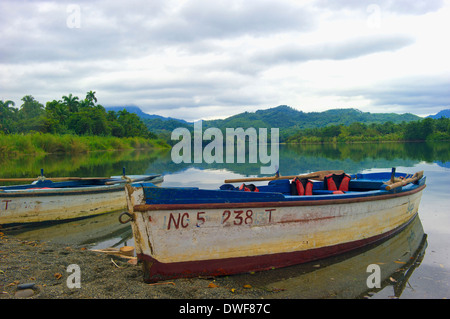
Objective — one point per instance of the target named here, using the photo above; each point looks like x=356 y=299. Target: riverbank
x=46 y=143
x=39 y=270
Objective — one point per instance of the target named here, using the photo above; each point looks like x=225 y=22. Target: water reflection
x=345 y=276
x=93 y=164
x=97 y=232
x=352 y=158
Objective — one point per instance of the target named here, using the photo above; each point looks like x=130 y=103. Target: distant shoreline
x=360 y=142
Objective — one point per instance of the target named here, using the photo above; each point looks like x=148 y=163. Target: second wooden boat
x=45 y=200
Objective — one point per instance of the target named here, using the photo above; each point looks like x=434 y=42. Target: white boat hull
x=59 y=207
x=272 y=234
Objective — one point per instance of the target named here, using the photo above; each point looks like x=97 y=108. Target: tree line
x=427 y=129
x=70 y=115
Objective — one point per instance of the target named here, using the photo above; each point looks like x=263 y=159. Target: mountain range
x=286 y=118
x=140 y=113
x=443 y=113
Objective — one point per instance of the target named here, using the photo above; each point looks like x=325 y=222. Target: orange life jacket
x=338 y=183
x=301 y=186
x=249 y=188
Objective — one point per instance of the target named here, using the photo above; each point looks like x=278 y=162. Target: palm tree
x=71 y=102
x=90 y=96
x=6 y=104
x=30 y=107
x=8 y=116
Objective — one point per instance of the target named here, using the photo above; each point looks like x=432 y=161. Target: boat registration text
x=228 y=217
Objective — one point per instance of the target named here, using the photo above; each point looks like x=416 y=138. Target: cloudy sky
x=195 y=59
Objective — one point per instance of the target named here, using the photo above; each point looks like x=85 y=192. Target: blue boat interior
x=360 y=185
x=44 y=184
x=77 y=183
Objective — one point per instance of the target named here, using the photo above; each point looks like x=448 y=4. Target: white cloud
x=209 y=59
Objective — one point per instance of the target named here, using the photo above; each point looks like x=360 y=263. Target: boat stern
x=135 y=196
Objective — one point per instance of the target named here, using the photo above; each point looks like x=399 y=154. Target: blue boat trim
x=364 y=186
x=77 y=187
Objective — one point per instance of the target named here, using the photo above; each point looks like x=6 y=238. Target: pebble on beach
x=24 y=293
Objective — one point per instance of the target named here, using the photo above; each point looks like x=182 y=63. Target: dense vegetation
x=74 y=125
x=70 y=125
x=427 y=129
x=70 y=116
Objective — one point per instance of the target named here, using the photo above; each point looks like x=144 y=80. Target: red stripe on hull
x=157 y=271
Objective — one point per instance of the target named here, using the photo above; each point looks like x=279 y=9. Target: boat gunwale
x=62 y=191
x=288 y=203
x=76 y=190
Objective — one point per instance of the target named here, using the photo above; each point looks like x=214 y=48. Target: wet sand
x=39 y=270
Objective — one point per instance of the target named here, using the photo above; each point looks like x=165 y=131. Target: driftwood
x=124 y=252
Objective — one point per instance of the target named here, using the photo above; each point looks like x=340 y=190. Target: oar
x=314 y=175
x=412 y=179
x=127 y=180
x=42 y=177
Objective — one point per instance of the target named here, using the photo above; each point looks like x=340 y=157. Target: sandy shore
x=39 y=270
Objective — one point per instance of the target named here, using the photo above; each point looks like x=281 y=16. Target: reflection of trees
x=95 y=164
x=294 y=159
x=352 y=158
x=430 y=151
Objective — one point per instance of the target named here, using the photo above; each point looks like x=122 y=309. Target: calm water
x=414 y=264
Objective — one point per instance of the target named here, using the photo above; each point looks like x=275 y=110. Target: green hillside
x=287 y=119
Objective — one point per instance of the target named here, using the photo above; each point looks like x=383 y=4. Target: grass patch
x=46 y=143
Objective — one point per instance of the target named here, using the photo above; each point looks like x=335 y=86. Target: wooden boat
x=187 y=232
x=69 y=198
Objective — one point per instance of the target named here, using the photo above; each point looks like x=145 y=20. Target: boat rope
x=129 y=219
x=129 y=180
